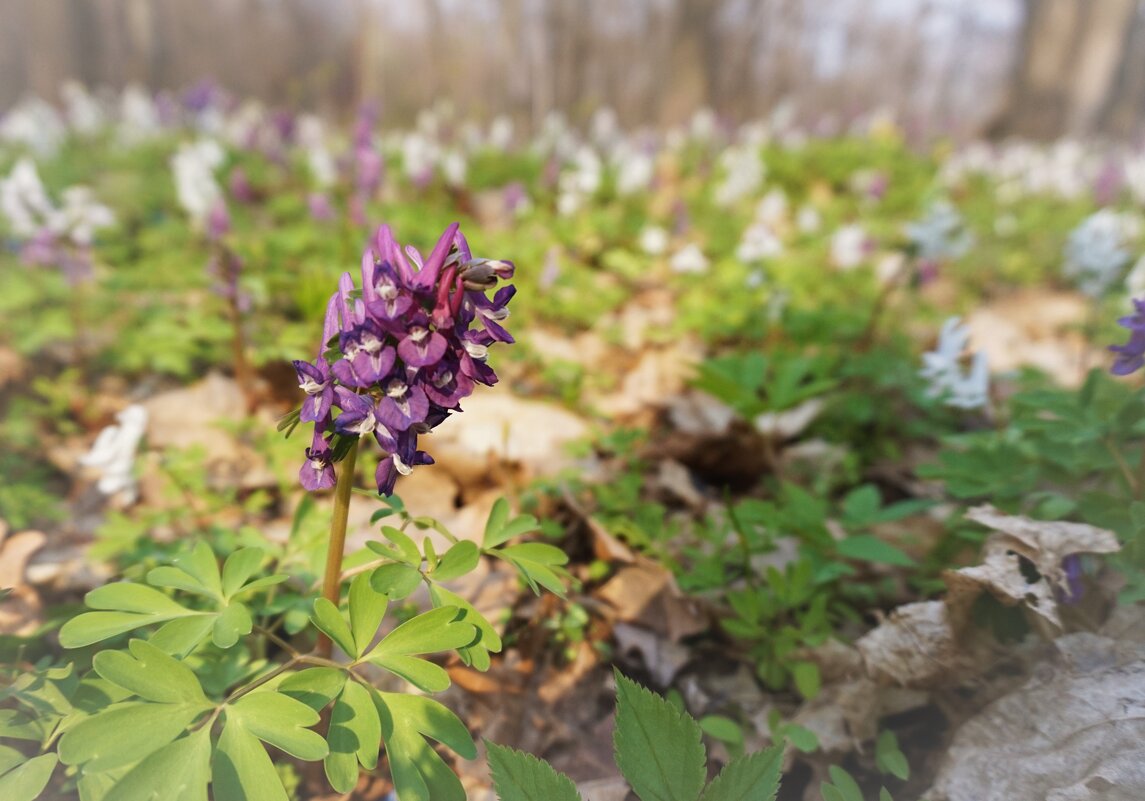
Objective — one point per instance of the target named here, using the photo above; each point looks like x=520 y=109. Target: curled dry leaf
x=1044 y=544
x=919 y=645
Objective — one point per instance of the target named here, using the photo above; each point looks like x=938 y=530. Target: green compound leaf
x=407 y=549
x=367 y=608
x=806 y=677
x=241 y=768
x=535 y=562
x=476 y=654
x=123 y=734
x=316 y=687
x=518 y=776
x=331 y=623
x=123 y=607
x=659 y=749
x=418 y=771
x=754 y=777
x=178 y=579
x=396 y=580
x=25 y=782
x=233 y=622
x=181 y=636
x=200 y=562
x=178 y=771
x=440 y=629
x=845 y=788
x=498 y=516
x=460 y=559
x=355 y=737
x=150 y=674
x=239 y=567
x=282 y=721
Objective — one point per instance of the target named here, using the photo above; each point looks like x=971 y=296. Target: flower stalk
x=336 y=547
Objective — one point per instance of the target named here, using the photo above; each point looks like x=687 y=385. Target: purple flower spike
x=315 y=381
x=395 y=361
x=1131 y=355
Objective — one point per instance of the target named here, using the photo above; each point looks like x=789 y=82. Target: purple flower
x=1131 y=355
x=240 y=186
x=218 y=221
x=1075 y=587
x=398 y=356
x=319 y=205
x=317 y=472
x=316 y=382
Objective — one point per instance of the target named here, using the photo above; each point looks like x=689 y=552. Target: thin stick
x=332 y=579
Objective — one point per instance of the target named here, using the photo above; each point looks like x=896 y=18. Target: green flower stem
x=332 y=579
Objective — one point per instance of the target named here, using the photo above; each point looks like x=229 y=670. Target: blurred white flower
x=1135 y=281
x=33 y=124
x=82 y=215
x=138 y=117
x=454 y=168
x=743 y=173
x=194 y=166
x=850 y=246
x=942 y=368
x=84 y=112
x=654 y=240
x=1097 y=251
x=759 y=243
x=635 y=170
x=501 y=133
x=940 y=234
x=808 y=220
x=772 y=209
x=113 y=453
x=23 y=200
x=689 y=259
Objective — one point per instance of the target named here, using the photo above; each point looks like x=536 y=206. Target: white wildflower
x=808 y=220
x=759 y=243
x=850 y=247
x=33 y=124
x=689 y=259
x=943 y=369
x=84 y=112
x=113 y=453
x=194 y=167
x=138 y=116
x=743 y=174
x=654 y=240
x=941 y=234
x=1097 y=251
x=23 y=200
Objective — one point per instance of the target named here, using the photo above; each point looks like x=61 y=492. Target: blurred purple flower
x=240 y=186
x=320 y=208
x=1131 y=355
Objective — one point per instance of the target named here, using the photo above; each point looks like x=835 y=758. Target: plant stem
x=332 y=578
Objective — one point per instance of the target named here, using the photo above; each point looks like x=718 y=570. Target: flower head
x=399 y=354
x=943 y=370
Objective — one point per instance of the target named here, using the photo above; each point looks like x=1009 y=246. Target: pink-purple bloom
x=1131 y=355
x=400 y=353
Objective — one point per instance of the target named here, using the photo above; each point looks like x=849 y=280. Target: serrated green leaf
x=367 y=608
x=282 y=721
x=178 y=771
x=233 y=621
x=331 y=623
x=239 y=567
x=316 y=687
x=460 y=559
x=868 y=548
x=518 y=776
x=355 y=737
x=659 y=749
x=754 y=777
x=25 y=782
x=150 y=674
x=418 y=771
x=124 y=734
x=396 y=580
x=241 y=768
x=498 y=516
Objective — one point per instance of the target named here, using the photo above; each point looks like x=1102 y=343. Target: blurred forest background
x=962 y=68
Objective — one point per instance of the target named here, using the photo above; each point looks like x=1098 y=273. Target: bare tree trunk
x=1068 y=59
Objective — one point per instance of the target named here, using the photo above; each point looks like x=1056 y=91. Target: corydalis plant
x=399 y=354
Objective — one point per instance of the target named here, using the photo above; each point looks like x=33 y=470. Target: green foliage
x=660 y=752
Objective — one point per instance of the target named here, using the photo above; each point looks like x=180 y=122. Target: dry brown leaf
x=1072 y=733
x=646 y=594
x=918 y=645
x=661 y=657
